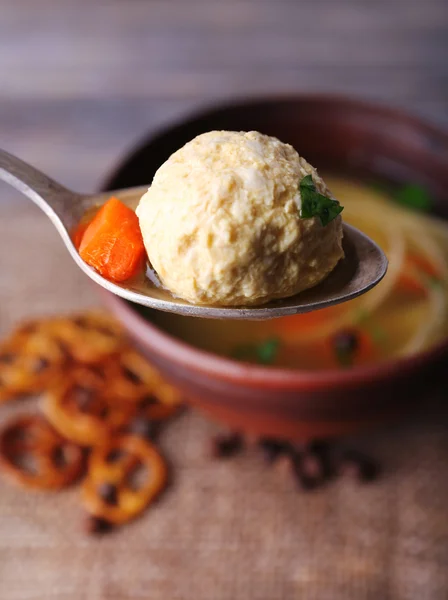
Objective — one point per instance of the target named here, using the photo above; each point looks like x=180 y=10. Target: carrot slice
x=408 y=283
x=113 y=243
x=367 y=350
x=423 y=264
x=415 y=266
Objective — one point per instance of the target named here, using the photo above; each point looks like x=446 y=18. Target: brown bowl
x=332 y=133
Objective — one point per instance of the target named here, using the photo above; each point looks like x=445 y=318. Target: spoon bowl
x=363 y=266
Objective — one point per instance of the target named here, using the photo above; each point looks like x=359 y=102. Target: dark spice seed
x=272 y=449
x=345 y=344
x=321 y=450
x=108 y=493
x=307 y=483
x=226 y=445
x=359 y=466
x=308 y=471
x=320 y=447
x=312 y=466
x=95 y=525
x=346 y=341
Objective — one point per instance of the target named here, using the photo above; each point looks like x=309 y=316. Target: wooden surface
x=82 y=80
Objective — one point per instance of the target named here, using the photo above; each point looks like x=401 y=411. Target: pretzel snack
x=111 y=466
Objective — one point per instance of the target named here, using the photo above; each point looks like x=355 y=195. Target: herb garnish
x=264 y=353
x=267 y=351
x=315 y=204
x=414 y=196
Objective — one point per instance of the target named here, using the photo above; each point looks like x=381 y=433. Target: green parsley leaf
x=315 y=204
x=267 y=352
x=414 y=196
x=264 y=353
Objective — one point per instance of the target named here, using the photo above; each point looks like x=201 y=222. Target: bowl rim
x=357 y=102
x=196 y=359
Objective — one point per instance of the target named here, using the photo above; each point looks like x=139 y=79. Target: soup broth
x=405 y=313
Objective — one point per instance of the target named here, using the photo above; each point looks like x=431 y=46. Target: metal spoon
x=362 y=268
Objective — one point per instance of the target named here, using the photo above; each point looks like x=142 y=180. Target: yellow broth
x=404 y=314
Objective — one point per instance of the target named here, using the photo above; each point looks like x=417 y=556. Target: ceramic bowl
x=334 y=133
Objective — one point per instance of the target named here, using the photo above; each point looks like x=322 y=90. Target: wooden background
x=82 y=80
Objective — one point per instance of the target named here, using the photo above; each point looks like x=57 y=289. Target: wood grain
x=82 y=80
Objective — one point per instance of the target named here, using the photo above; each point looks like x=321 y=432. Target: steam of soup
x=404 y=314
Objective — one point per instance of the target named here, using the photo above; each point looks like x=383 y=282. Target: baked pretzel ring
x=89 y=337
x=33 y=455
x=107 y=491
x=81 y=409
x=130 y=375
x=28 y=363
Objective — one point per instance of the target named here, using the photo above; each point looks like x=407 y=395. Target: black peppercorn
x=226 y=445
x=272 y=448
x=359 y=466
x=95 y=525
x=345 y=344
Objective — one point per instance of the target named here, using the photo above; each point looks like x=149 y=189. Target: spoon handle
x=50 y=196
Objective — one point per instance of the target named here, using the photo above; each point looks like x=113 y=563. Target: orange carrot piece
x=414 y=265
x=112 y=243
x=366 y=351
x=423 y=264
x=406 y=282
